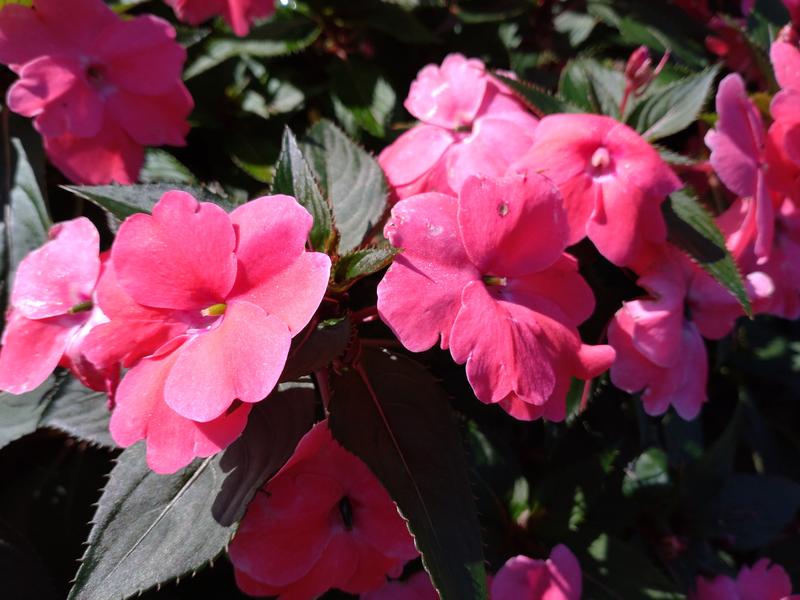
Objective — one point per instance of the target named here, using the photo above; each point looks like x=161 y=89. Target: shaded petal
x=62 y=273
x=181 y=256
x=241 y=358
x=565 y=575
x=110 y=156
x=142 y=56
x=32 y=349
x=414 y=153
x=512 y=226
x=24 y=36
x=53 y=90
x=420 y=294
x=521 y=577
x=719 y=588
x=495 y=143
x=763 y=581
x=153 y=120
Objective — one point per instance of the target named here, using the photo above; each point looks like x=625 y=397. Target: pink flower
x=486 y=273
x=238 y=14
x=523 y=578
x=470 y=125
x=738 y=157
x=99 y=88
x=323 y=521
x=613 y=182
x=759 y=582
x=212 y=300
x=659 y=351
x=52 y=310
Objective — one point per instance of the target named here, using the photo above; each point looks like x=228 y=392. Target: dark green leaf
x=149 y=528
x=359 y=89
x=20 y=414
x=161 y=166
x=317 y=346
x=575 y=85
x=350 y=178
x=273 y=430
x=650 y=468
x=123 y=201
x=399 y=24
x=293 y=177
x=274 y=38
x=80 y=412
x=752 y=509
x=26 y=219
x=391 y=413
x=692 y=229
x=352 y=267
x=538 y=100
x=673 y=108
x=577 y=26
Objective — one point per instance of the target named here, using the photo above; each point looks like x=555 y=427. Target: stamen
x=494 y=280
x=214 y=310
x=81 y=307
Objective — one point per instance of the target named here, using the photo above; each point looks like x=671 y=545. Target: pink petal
x=521 y=577
x=142 y=56
x=631 y=371
x=62 y=273
x=512 y=226
x=448 y=96
x=565 y=575
x=786 y=62
x=414 y=153
x=153 y=120
x=53 y=90
x=181 y=256
x=86 y=18
x=738 y=140
x=110 y=156
x=24 y=36
x=134 y=330
x=420 y=295
x=719 y=588
x=172 y=441
x=501 y=345
x=241 y=358
x=271 y=234
x=32 y=349
x=292 y=295
x=240 y=13
x=763 y=581
x=495 y=143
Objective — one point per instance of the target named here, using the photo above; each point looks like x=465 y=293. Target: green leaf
x=575 y=85
x=20 y=414
x=538 y=100
x=359 y=89
x=650 y=468
x=274 y=427
x=161 y=166
x=361 y=263
x=350 y=178
x=61 y=402
x=399 y=24
x=753 y=509
x=150 y=528
x=317 y=346
x=26 y=218
x=274 y=38
x=390 y=412
x=123 y=201
x=691 y=228
x=673 y=108
x=80 y=412
x=293 y=177
x=577 y=26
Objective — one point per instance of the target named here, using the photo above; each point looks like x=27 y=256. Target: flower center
x=96 y=73
x=81 y=307
x=601 y=160
x=214 y=310
x=493 y=280
x=346 y=512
